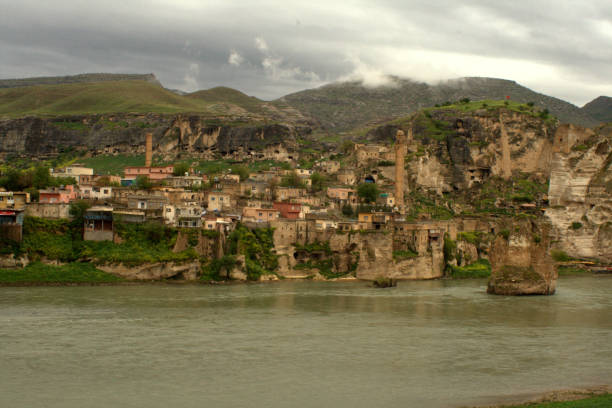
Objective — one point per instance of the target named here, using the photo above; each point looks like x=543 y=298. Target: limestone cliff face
x=454 y=150
x=365 y=255
x=155 y=271
x=520 y=260
x=172 y=134
x=580 y=193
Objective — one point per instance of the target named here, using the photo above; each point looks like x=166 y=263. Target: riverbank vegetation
x=75 y=272
x=599 y=401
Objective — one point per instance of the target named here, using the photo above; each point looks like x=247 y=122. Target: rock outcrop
x=520 y=260
x=172 y=135
x=580 y=193
x=154 y=271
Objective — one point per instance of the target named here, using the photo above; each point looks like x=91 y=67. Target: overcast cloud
x=271 y=48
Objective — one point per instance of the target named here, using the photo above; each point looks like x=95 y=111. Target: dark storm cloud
x=270 y=48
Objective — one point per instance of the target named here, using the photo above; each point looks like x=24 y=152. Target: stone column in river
x=520 y=259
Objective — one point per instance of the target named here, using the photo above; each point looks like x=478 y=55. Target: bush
x=77 y=272
x=576 y=225
x=560 y=256
x=401 y=255
x=368 y=192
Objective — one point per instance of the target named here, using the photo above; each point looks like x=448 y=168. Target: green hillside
x=349 y=105
x=228 y=95
x=95 y=97
x=600 y=108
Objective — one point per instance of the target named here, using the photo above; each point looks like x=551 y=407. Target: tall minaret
x=400 y=153
x=148 y=149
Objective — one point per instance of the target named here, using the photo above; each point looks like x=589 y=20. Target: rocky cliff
x=580 y=192
x=453 y=150
x=520 y=260
x=124 y=133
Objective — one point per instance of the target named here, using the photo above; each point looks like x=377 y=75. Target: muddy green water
x=299 y=344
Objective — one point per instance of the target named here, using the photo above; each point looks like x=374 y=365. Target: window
x=212 y=198
x=365 y=218
x=220 y=198
x=168 y=209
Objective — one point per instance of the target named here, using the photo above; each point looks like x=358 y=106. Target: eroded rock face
x=172 y=134
x=580 y=192
x=155 y=271
x=470 y=147
x=520 y=260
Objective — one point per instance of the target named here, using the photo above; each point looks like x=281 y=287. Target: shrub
x=560 y=256
x=576 y=225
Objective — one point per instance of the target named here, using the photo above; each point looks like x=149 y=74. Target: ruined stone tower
x=400 y=153
x=148 y=149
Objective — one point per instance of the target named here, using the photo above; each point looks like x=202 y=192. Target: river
x=299 y=344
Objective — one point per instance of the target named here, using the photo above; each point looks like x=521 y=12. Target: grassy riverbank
x=75 y=272
x=568 y=399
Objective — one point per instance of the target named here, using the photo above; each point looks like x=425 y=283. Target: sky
x=271 y=48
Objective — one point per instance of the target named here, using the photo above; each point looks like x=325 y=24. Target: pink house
x=57 y=195
x=153 y=173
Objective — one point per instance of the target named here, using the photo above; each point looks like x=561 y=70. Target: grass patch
x=600 y=401
x=479 y=269
x=570 y=270
x=401 y=255
x=76 y=272
x=96 y=98
x=110 y=164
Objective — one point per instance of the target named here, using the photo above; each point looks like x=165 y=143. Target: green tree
x=368 y=192
x=242 y=171
x=347 y=210
x=41 y=177
x=347 y=146
x=143 y=183
x=292 y=180
x=318 y=181
x=180 y=169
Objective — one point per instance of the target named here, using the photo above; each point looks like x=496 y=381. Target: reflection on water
x=307 y=344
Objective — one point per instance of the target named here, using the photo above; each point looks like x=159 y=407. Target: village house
x=374 y=220
x=187 y=215
x=75 y=170
x=386 y=199
x=322 y=221
x=98 y=224
x=329 y=166
x=11 y=224
x=152 y=173
x=253 y=188
x=95 y=193
x=347 y=177
x=287 y=193
x=289 y=210
x=343 y=195
x=214 y=222
x=129 y=216
x=219 y=201
x=58 y=195
x=309 y=200
x=185 y=181
x=254 y=214
x=265 y=176
x=151 y=205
